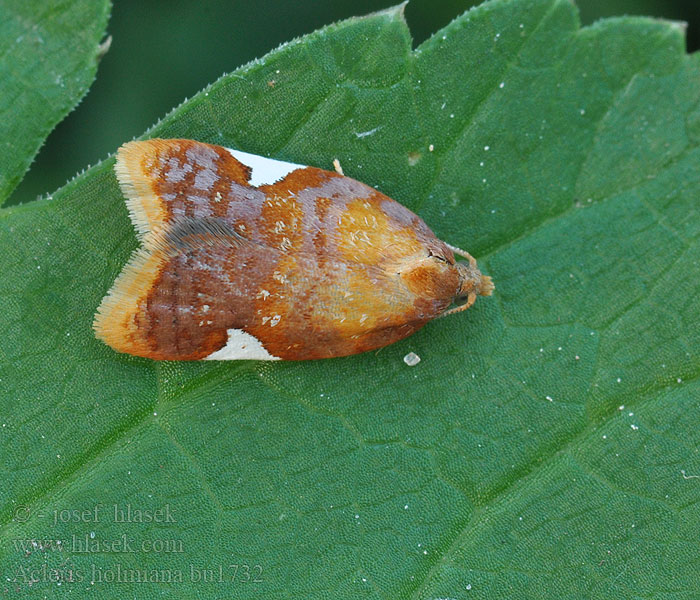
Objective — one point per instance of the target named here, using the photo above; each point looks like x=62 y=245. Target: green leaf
x=546 y=446
x=48 y=58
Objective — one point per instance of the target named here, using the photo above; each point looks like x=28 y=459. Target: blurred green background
x=163 y=51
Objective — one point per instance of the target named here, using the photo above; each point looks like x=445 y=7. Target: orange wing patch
x=368 y=236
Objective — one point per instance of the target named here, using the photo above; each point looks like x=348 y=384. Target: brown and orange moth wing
x=248 y=257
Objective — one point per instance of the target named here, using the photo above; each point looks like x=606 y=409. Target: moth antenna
x=463 y=254
x=471 y=298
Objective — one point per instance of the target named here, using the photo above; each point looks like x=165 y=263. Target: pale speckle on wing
x=205 y=179
x=176 y=173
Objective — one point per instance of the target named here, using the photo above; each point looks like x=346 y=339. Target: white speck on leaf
x=362 y=134
x=411 y=359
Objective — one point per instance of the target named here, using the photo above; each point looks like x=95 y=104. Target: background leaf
x=162 y=56
x=48 y=58
x=545 y=446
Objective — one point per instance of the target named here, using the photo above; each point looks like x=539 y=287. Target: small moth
x=245 y=257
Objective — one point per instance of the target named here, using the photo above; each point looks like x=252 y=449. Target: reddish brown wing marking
x=165 y=181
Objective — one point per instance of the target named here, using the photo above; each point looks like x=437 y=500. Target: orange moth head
x=471 y=281
x=437 y=276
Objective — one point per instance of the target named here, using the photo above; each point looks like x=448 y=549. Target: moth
x=246 y=257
